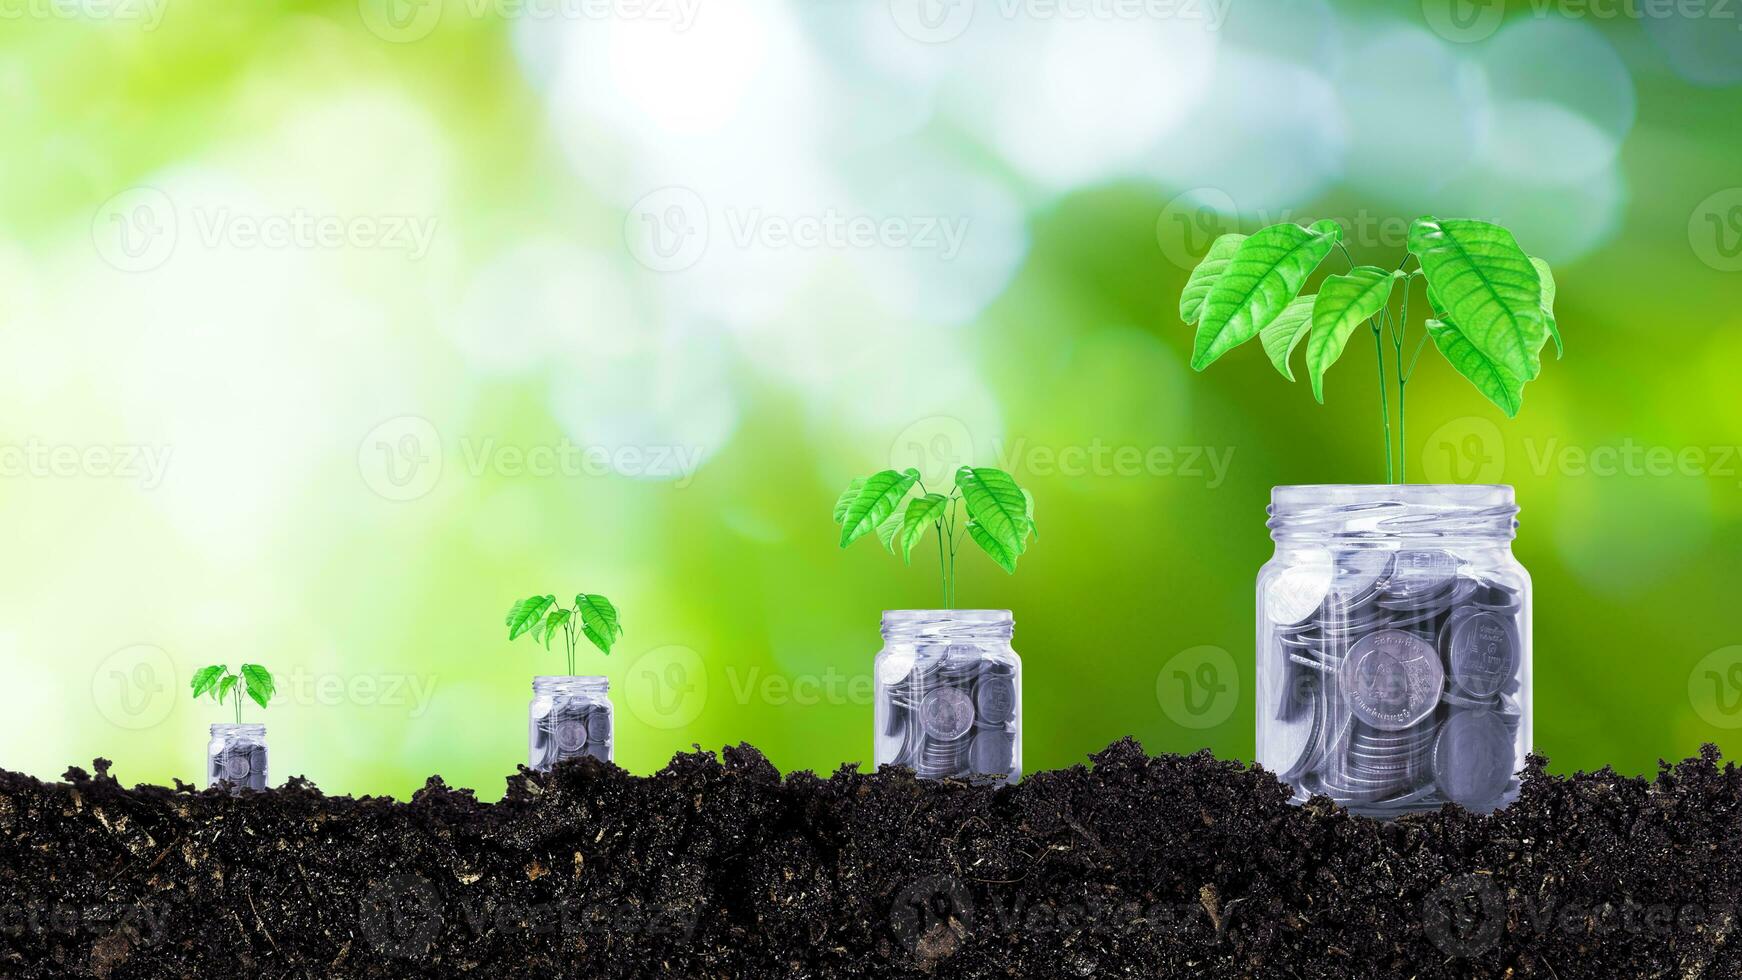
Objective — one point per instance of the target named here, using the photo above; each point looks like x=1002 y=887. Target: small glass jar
x=949 y=694
x=571 y=717
x=236 y=757
x=1394 y=647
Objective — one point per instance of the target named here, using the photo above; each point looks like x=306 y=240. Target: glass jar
x=1394 y=647
x=236 y=757
x=571 y=717
x=949 y=694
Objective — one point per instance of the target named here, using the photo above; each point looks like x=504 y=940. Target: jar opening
x=1393 y=511
x=570 y=684
x=948 y=624
x=232 y=728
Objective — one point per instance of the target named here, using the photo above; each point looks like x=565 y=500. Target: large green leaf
x=257 y=681
x=1280 y=335
x=1546 y=276
x=555 y=621
x=991 y=544
x=525 y=614
x=1264 y=276
x=1488 y=286
x=922 y=514
x=225 y=683
x=890 y=527
x=876 y=501
x=1491 y=378
x=599 y=620
x=206 y=678
x=1198 y=284
x=1342 y=304
x=998 y=506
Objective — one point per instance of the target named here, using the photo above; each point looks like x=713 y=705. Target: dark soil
x=717 y=867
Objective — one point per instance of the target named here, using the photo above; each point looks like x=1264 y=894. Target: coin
x=1359 y=575
x=571 y=735
x=993 y=752
x=1422 y=573
x=1473 y=759
x=236 y=762
x=1295 y=592
x=946 y=713
x=1293 y=743
x=894 y=668
x=599 y=725
x=1391 y=679
x=995 y=699
x=1481 y=648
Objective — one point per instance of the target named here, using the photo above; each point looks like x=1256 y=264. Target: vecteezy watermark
x=1464 y=21
x=135 y=687
x=327 y=689
x=669 y=230
x=667 y=687
x=1198 y=687
x=939 y=444
x=145 y=13
x=778 y=689
x=34 y=459
x=1469 y=21
x=1715 y=230
x=141 y=228
x=939 y=21
x=405 y=21
x=1192 y=220
x=1715 y=688
x=1469 y=915
x=1472 y=450
x=403 y=459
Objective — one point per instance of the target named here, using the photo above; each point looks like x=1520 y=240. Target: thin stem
x=943 y=569
x=1402 y=384
x=1384 y=403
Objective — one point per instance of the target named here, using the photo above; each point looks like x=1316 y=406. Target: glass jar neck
x=570 y=684
x=948 y=625
x=232 y=728
x=1348 y=515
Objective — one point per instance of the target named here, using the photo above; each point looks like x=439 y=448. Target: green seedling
x=220 y=683
x=1489 y=308
x=540 y=617
x=996 y=514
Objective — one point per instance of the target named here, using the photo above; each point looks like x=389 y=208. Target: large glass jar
x=949 y=694
x=236 y=757
x=1394 y=647
x=571 y=717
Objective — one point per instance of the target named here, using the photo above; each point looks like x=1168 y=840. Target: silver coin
x=1293 y=594
x=1359 y=576
x=236 y=763
x=1391 y=679
x=946 y=713
x=1473 y=760
x=599 y=726
x=571 y=735
x=895 y=668
x=1420 y=573
x=257 y=761
x=995 y=699
x=1481 y=648
x=1457 y=700
x=993 y=752
x=1293 y=743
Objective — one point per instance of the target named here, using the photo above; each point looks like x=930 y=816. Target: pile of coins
x=1399 y=675
x=237 y=762
x=953 y=714
x=568 y=728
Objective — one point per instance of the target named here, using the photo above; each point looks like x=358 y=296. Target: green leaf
x=525 y=614
x=206 y=678
x=847 y=497
x=1204 y=276
x=992 y=545
x=1342 y=304
x=890 y=527
x=257 y=681
x=922 y=514
x=875 y=502
x=599 y=620
x=998 y=506
x=1280 y=335
x=551 y=624
x=225 y=683
x=1546 y=276
x=1264 y=276
x=1488 y=286
x=1491 y=378
x=1029 y=513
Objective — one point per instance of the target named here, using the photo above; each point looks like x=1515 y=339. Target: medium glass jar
x=1394 y=647
x=236 y=757
x=949 y=694
x=571 y=717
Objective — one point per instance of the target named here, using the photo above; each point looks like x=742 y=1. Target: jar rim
x=1471 y=495
x=1379 y=512
x=581 y=682
x=242 y=728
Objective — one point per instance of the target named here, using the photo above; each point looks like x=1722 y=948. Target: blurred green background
x=329 y=329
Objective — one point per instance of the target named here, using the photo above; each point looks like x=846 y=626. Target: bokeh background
x=327 y=329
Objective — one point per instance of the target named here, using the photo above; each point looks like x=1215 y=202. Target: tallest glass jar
x=1394 y=647
x=949 y=695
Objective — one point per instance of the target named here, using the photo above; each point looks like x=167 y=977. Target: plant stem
x=1402 y=382
x=1384 y=403
x=943 y=568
